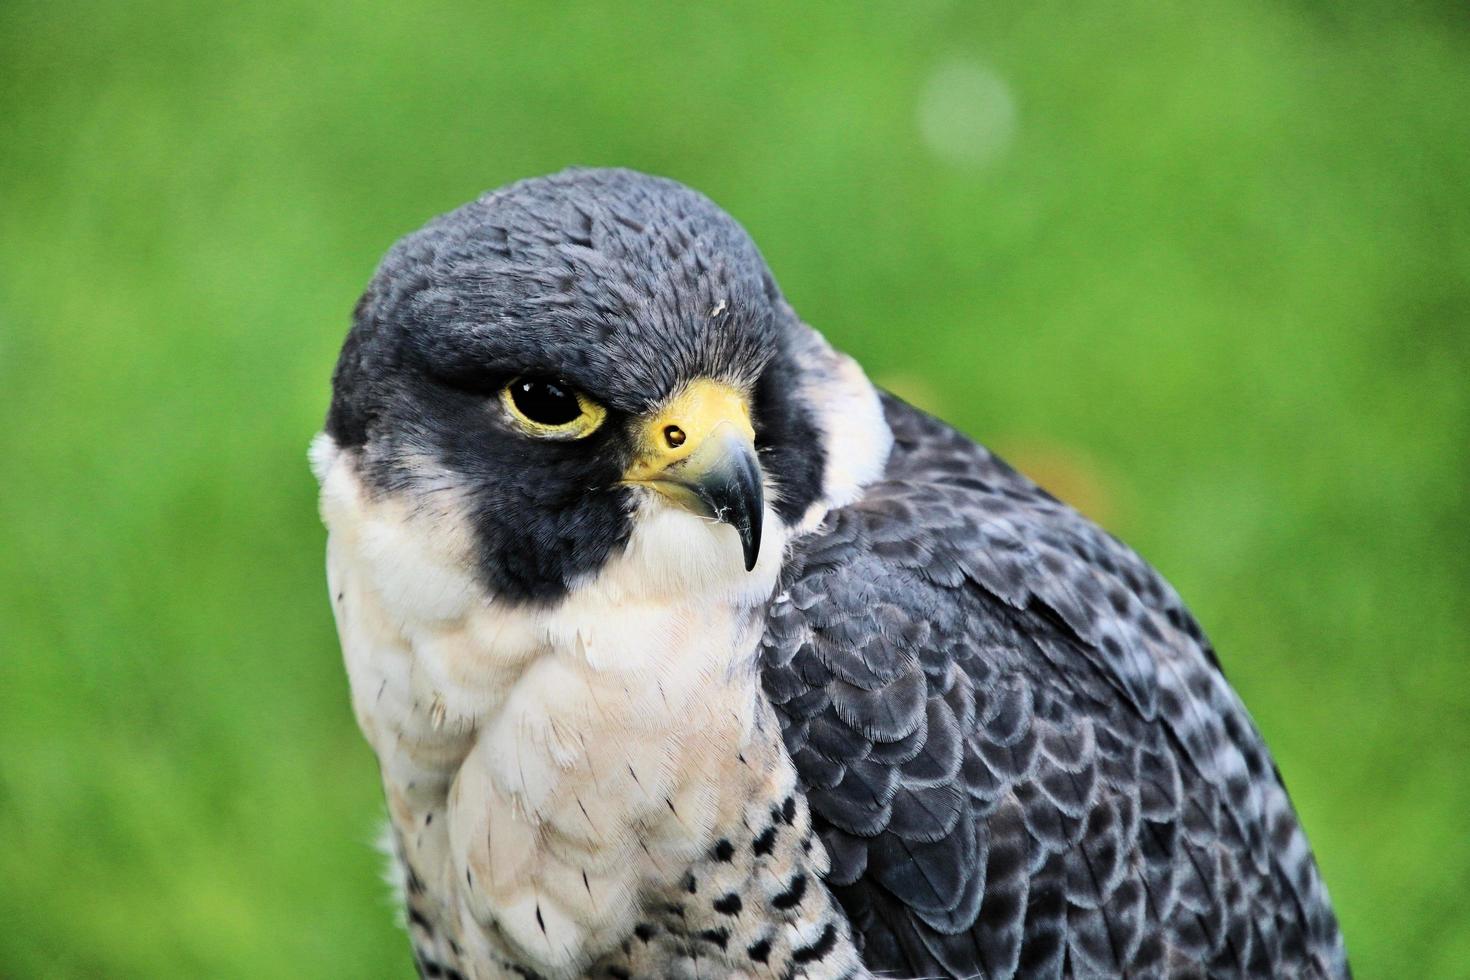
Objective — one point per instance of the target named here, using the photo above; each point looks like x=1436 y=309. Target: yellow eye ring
x=551 y=409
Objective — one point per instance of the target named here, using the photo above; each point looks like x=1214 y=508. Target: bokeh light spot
x=966 y=114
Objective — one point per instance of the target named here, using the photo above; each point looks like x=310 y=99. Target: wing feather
x=1018 y=746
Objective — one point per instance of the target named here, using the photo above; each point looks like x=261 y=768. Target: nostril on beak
x=674 y=436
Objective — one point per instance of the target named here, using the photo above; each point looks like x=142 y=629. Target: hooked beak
x=699 y=452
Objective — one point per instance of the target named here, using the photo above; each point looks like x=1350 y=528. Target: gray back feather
x=1018 y=746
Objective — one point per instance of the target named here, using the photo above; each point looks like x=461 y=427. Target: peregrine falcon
x=687 y=652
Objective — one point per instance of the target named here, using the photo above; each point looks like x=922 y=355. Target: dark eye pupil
x=545 y=402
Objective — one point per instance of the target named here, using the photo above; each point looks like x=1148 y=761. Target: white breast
x=544 y=767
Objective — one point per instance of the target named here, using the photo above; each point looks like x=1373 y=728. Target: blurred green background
x=1204 y=268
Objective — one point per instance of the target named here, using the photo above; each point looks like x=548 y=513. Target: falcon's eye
x=551 y=409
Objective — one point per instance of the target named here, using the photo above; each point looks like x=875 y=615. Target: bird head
x=573 y=357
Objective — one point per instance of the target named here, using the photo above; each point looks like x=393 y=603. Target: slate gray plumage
x=610 y=744
x=1018 y=745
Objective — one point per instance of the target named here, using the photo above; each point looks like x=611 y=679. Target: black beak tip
x=731 y=492
x=750 y=504
x=735 y=497
x=750 y=542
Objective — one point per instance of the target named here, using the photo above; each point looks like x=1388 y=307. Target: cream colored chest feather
x=545 y=768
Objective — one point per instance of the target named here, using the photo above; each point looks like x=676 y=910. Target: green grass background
x=1209 y=263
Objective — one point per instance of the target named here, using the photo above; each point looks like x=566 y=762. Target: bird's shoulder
x=1016 y=741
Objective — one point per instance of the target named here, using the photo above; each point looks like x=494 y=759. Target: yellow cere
x=694 y=414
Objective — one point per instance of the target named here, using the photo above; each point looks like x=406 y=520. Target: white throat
x=416 y=557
